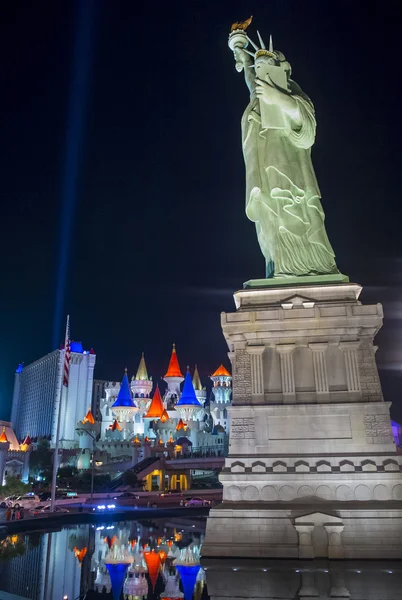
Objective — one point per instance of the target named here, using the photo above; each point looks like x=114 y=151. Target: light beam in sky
x=80 y=71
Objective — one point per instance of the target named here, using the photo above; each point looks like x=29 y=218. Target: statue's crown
x=265 y=52
x=262 y=51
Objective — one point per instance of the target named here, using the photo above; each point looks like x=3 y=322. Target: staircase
x=141 y=469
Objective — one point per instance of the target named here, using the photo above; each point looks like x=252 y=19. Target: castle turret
x=173 y=378
x=26 y=447
x=200 y=392
x=155 y=412
x=4 y=446
x=124 y=408
x=111 y=392
x=141 y=386
x=188 y=406
x=222 y=391
x=87 y=431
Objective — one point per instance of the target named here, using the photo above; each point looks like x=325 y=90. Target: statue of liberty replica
x=311 y=448
x=282 y=193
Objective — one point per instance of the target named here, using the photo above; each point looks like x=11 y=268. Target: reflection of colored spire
x=142 y=373
x=196 y=380
x=221 y=371
x=27 y=441
x=156 y=409
x=124 y=397
x=110 y=540
x=180 y=425
x=188 y=396
x=80 y=554
x=153 y=561
x=117 y=572
x=188 y=576
x=3 y=437
x=88 y=418
x=174 y=368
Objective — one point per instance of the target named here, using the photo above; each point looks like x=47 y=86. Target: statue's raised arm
x=282 y=194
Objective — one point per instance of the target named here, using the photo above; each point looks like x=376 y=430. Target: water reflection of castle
x=161 y=561
x=136 y=560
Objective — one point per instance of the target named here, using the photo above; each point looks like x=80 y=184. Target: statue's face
x=262 y=66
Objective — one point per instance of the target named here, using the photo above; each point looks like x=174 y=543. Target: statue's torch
x=238 y=39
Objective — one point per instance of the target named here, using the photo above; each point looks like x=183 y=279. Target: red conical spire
x=221 y=371
x=115 y=425
x=174 y=368
x=88 y=418
x=156 y=409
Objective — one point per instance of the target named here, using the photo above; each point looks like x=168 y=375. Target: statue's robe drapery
x=282 y=194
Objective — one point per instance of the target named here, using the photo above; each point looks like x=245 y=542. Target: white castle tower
x=200 y=392
x=222 y=392
x=173 y=378
x=141 y=387
x=111 y=390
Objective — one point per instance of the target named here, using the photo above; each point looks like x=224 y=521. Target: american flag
x=67 y=354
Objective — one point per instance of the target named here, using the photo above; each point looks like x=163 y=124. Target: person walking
x=13 y=515
x=22 y=514
x=8 y=514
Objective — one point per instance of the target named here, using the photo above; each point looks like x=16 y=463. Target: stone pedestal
x=312 y=469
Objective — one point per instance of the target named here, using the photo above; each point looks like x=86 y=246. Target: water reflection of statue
x=282 y=194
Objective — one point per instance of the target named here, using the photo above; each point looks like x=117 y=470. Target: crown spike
x=261 y=42
x=271 y=44
x=252 y=43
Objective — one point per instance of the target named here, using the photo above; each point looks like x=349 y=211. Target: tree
x=14 y=487
x=41 y=460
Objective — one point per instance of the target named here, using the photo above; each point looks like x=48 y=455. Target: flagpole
x=57 y=440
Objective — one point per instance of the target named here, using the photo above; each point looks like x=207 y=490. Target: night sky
x=159 y=238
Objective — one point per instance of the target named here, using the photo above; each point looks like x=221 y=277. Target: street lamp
x=93 y=436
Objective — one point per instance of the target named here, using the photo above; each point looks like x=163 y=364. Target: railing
x=203 y=452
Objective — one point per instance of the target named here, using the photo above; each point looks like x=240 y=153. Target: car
x=104 y=507
x=197 y=502
x=127 y=496
x=44 y=496
x=57 y=509
x=36 y=510
x=29 y=500
x=168 y=493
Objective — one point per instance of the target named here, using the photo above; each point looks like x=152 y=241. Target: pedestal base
x=312 y=469
x=305 y=531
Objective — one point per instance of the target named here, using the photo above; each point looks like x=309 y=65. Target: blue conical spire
x=188 y=575
x=117 y=572
x=188 y=395
x=124 y=397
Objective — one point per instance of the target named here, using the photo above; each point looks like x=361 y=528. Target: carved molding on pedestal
x=257 y=373
x=285 y=352
x=242 y=377
x=320 y=367
x=352 y=369
x=242 y=428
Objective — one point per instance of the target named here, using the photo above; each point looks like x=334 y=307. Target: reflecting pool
x=155 y=560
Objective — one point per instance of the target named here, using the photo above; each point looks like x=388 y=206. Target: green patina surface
x=308 y=280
